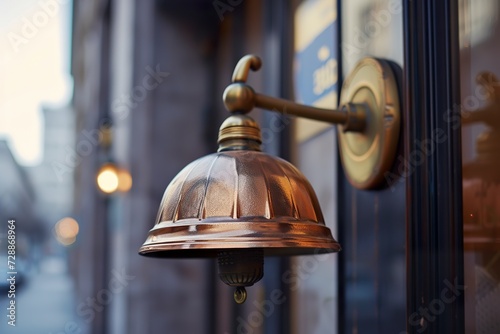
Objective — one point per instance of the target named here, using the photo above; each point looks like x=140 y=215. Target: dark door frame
x=432 y=138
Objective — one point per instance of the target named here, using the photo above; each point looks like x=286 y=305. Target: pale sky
x=34 y=70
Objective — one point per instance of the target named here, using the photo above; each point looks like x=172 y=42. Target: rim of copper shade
x=184 y=232
x=194 y=238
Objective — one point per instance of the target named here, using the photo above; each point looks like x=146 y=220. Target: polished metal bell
x=239 y=204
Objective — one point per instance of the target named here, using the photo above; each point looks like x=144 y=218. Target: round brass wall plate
x=369 y=154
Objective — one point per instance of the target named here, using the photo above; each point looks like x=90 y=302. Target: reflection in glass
x=480 y=88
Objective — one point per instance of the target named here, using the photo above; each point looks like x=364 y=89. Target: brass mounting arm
x=368 y=116
x=241 y=98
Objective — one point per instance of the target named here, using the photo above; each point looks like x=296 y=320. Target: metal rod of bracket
x=241 y=98
x=291 y=108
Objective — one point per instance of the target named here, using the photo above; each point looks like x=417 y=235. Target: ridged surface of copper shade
x=239 y=199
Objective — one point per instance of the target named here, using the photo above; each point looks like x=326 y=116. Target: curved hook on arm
x=246 y=63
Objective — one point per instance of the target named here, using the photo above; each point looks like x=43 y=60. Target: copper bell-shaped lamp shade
x=239 y=205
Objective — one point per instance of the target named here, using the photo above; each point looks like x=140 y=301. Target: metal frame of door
x=431 y=97
x=432 y=182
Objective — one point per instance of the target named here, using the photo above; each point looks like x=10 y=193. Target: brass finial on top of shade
x=239 y=132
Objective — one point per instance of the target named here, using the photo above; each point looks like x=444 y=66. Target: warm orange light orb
x=66 y=230
x=124 y=180
x=111 y=178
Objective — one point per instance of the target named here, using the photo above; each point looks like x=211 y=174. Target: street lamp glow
x=66 y=230
x=107 y=179
x=124 y=180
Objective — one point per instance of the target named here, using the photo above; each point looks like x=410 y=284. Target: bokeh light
x=111 y=178
x=108 y=179
x=66 y=231
x=124 y=180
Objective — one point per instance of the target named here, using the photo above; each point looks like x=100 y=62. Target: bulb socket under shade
x=240 y=268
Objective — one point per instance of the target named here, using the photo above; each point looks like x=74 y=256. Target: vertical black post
x=103 y=260
x=344 y=191
x=432 y=166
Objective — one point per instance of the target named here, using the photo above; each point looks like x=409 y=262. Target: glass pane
x=480 y=89
x=314 y=280
x=371 y=280
x=371 y=28
x=373 y=231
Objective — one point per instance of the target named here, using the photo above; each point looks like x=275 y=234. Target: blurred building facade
x=155 y=71
x=18 y=195
x=53 y=177
x=18 y=201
